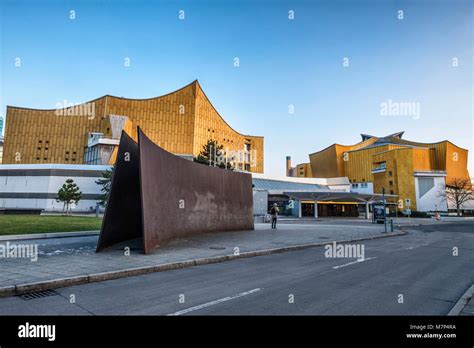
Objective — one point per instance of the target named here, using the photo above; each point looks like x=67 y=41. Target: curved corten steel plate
x=180 y=197
x=122 y=219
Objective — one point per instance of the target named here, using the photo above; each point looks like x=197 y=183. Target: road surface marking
x=225 y=299
x=416 y=246
x=354 y=262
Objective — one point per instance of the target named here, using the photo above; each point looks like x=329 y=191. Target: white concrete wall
x=48 y=205
x=318 y=181
x=344 y=187
x=431 y=201
x=14 y=188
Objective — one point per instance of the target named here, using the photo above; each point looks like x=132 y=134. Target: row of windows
x=356 y=185
x=46 y=158
x=46 y=148
x=362 y=185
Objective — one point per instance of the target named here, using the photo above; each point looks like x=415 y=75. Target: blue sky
x=282 y=62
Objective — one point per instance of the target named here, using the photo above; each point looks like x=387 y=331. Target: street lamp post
x=384 y=211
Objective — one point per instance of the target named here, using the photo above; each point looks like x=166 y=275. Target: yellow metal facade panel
x=210 y=125
x=358 y=164
x=422 y=159
x=48 y=136
x=168 y=120
x=303 y=170
x=456 y=162
x=324 y=164
x=398 y=178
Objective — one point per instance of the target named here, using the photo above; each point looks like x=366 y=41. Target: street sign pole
x=384 y=211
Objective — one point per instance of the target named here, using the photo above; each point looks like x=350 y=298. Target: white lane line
x=416 y=246
x=354 y=262
x=225 y=299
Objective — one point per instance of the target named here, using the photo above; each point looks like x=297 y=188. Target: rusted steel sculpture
x=176 y=197
x=123 y=214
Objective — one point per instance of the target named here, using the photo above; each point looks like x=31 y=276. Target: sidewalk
x=73 y=260
x=398 y=222
x=465 y=304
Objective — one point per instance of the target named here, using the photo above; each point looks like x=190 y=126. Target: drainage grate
x=38 y=294
x=217 y=248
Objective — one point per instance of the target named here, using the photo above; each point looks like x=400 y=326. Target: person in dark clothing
x=274 y=213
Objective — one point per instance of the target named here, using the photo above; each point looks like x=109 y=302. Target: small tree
x=69 y=193
x=213 y=154
x=106 y=183
x=458 y=192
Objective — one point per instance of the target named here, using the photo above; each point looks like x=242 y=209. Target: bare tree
x=458 y=192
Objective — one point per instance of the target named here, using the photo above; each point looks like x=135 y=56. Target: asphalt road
x=415 y=274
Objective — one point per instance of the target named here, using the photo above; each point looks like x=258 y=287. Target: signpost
x=377 y=215
x=384 y=211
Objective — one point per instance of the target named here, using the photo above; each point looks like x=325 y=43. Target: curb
x=406 y=225
x=48 y=235
x=20 y=289
x=459 y=306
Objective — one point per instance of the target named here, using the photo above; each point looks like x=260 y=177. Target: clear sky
x=283 y=62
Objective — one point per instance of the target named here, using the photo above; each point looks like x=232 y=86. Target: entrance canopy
x=336 y=197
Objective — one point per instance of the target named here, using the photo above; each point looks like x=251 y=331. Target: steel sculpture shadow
x=123 y=216
x=176 y=197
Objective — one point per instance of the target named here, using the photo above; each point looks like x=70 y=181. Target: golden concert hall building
x=181 y=122
x=413 y=172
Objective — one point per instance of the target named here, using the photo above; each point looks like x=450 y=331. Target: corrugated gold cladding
x=181 y=122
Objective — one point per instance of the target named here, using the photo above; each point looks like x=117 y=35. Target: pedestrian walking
x=274 y=213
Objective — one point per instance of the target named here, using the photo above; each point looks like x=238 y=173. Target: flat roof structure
x=336 y=197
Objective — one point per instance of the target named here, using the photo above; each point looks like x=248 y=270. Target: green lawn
x=24 y=224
